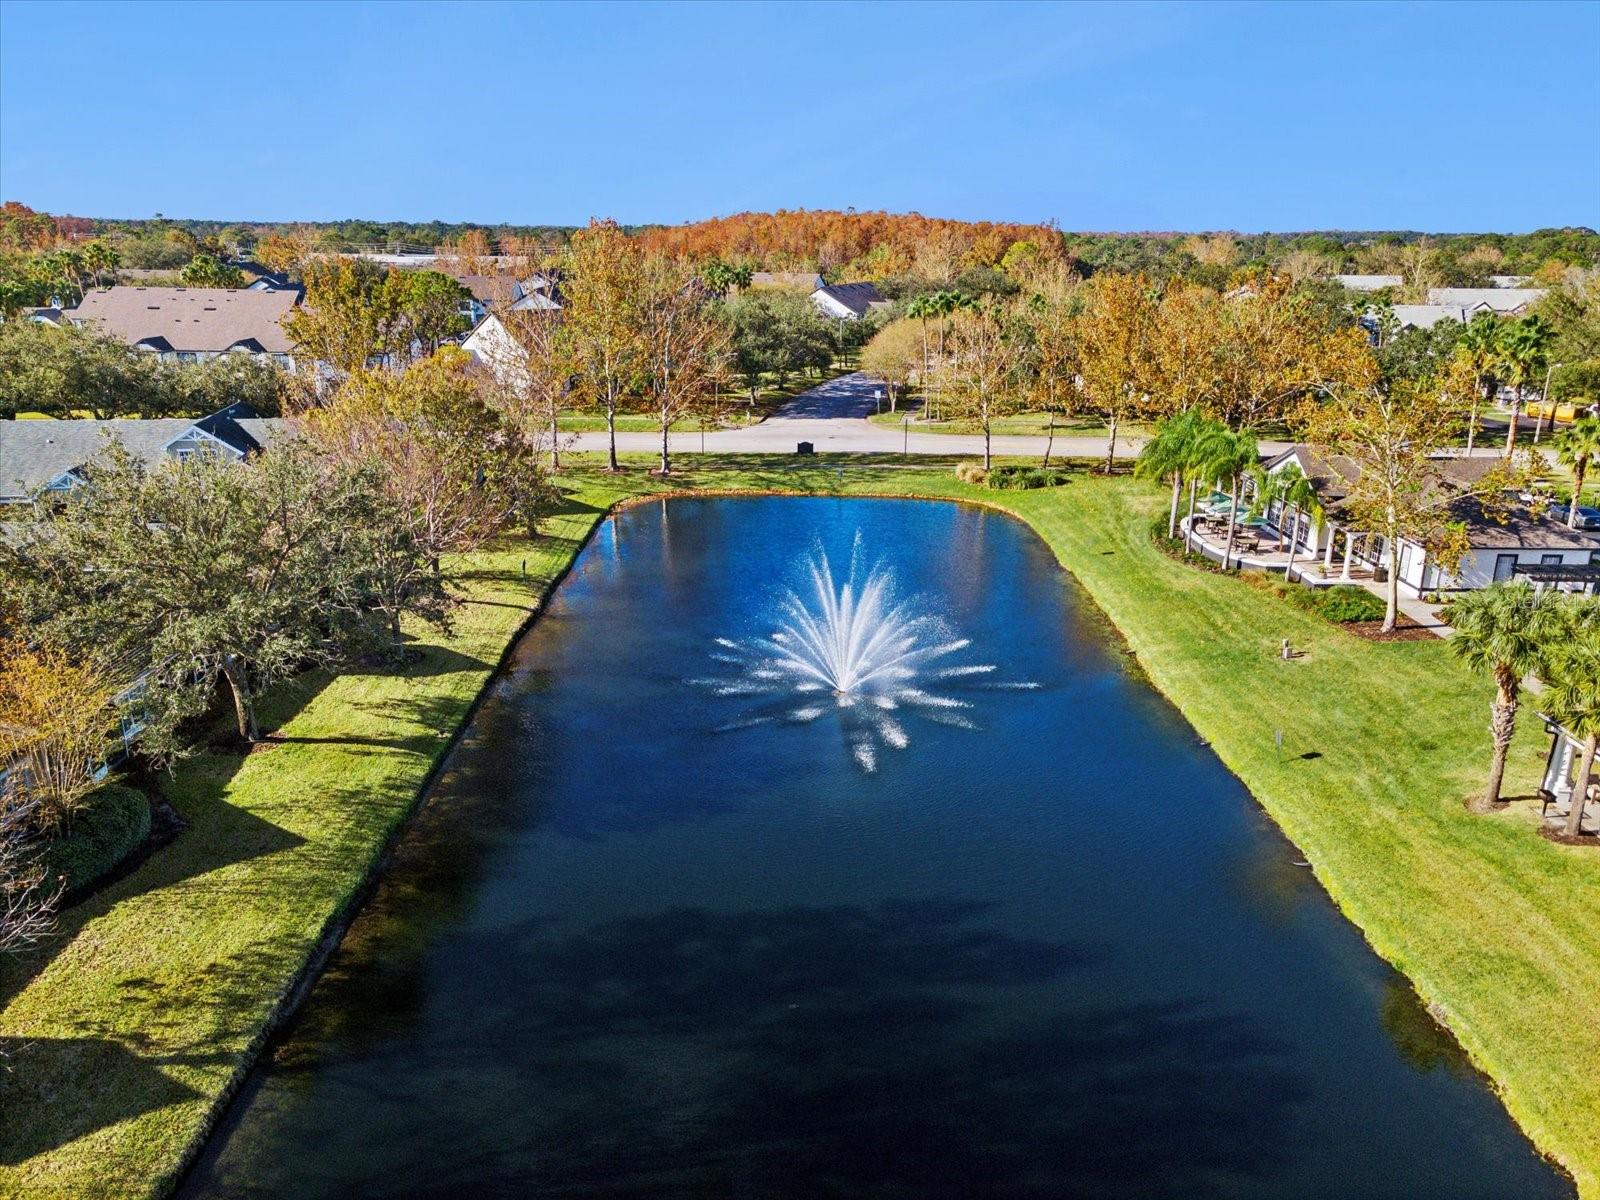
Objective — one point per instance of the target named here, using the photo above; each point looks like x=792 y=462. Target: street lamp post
x=1544 y=404
x=905 y=440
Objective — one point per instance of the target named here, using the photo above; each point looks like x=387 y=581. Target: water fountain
x=853 y=648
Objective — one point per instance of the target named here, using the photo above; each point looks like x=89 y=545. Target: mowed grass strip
x=1498 y=929
x=143 y=1017
x=124 y=1034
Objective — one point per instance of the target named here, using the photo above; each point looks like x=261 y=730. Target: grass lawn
x=1036 y=424
x=155 y=1001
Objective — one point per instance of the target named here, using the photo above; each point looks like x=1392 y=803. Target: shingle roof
x=1501 y=299
x=809 y=280
x=857 y=297
x=34 y=452
x=191 y=320
x=1368 y=283
x=1426 y=316
x=1331 y=476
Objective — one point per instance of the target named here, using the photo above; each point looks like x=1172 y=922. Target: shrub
x=1344 y=603
x=1014 y=477
x=114 y=821
x=970 y=472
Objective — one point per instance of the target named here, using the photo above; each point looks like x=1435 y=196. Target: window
x=1504 y=565
x=185 y=454
x=1550 y=560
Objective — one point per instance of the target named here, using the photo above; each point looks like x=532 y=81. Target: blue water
x=1062 y=954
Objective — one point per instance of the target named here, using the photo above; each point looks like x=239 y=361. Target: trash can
x=803 y=448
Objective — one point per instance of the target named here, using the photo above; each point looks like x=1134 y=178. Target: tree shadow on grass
x=46 y=1100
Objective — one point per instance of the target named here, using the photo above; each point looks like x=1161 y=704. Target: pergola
x=1542 y=575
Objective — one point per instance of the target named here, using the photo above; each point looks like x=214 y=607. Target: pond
x=929 y=896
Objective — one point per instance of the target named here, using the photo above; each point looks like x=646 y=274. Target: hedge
x=113 y=823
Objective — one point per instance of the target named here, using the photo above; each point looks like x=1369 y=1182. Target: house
x=1523 y=542
x=847 y=301
x=492 y=345
x=1368 y=283
x=1495 y=299
x=191 y=324
x=43 y=456
x=1426 y=316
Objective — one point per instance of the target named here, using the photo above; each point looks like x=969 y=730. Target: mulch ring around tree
x=1405 y=630
x=1554 y=832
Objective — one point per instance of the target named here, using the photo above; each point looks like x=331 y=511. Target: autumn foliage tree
x=685 y=344
x=56 y=719
x=604 y=276
x=1115 y=344
x=1394 y=435
x=986 y=355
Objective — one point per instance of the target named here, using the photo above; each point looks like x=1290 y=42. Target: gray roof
x=1331 y=476
x=34 y=452
x=1426 y=316
x=857 y=297
x=1368 y=283
x=191 y=320
x=1501 y=299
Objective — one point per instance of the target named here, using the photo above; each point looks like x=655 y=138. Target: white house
x=847 y=301
x=1520 y=543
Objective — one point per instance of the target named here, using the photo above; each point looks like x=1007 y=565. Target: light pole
x=905 y=439
x=1544 y=404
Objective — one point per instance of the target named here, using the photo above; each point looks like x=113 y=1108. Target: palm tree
x=1577 y=447
x=1168 y=455
x=1523 y=345
x=920 y=309
x=1506 y=631
x=1295 y=493
x=1226 y=455
x=1572 y=699
x=1479 y=347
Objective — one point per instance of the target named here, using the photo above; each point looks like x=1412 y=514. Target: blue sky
x=1115 y=117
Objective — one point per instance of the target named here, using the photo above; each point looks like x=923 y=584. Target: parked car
x=1588 y=518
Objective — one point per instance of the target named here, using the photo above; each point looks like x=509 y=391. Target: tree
x=431 y=307
x=1290 y=488
x=27 y=898
x=1572 y=698
x=73 y=371
x=206 y=270
x=894 y=355
x=684 y=342
x=532 y=367
x=1115 y=344
x=1170 y=455
x=461 y=470
x=1479 y=348
x=1227 y=455
x=199 y=569
x=55 y=726
x=1506 y=631
x=1404 y=490
x=1524 y=344
x=354 y=312
x=1578 y=447
x=983 y=365
x=604 y=276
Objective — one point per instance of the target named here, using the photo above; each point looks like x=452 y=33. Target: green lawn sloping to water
x=159 y=995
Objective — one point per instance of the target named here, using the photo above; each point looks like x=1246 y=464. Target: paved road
x=832 y=416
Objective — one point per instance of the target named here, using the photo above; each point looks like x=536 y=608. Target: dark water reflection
x=1064 y=955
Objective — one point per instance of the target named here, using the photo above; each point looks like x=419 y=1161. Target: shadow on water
x=621 y=955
